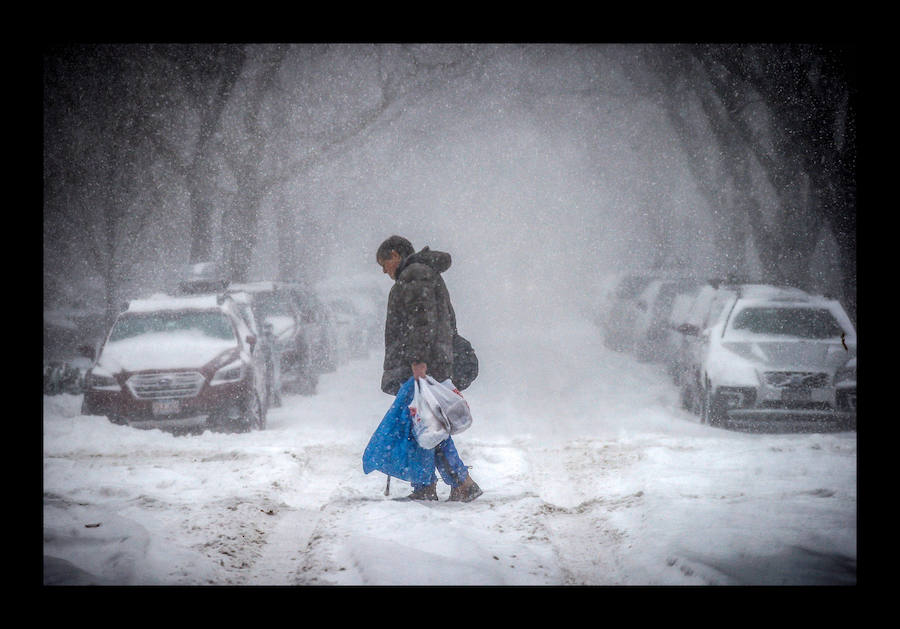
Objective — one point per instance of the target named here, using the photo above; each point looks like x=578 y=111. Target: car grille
x=797 y=405
x=178 y=384
x=805 y=379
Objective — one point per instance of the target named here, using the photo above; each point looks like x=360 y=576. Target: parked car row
x=216 y=356
x=742 y=352
x=355 y=307
x=292 y=337
x=636 y=319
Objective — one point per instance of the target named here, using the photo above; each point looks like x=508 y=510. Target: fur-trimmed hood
x=440 y=261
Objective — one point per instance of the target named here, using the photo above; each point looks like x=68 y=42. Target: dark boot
x=467 y=492
x=428 y=492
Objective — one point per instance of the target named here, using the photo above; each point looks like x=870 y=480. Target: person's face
x=390 y=264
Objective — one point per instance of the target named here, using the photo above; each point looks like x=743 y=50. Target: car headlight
x=232 y=372
x=100 y=380
x=730 y=368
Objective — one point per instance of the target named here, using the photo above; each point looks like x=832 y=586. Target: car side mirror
x=87 y=351
x=688 y=329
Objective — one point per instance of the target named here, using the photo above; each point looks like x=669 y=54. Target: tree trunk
x=287 y=243
x=229 y=61
x=810 y=93
x=241 y=228
x=201 y=195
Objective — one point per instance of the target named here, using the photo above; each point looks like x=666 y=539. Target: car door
x=709 y=306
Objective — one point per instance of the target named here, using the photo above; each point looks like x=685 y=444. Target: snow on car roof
x=262 y=285
x=779 y=295
x=252 y=286
x=776 y=293
x=808 y=301
x=167 y=302
x=241 y=297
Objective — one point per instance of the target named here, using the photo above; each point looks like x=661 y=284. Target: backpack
x=465 y=362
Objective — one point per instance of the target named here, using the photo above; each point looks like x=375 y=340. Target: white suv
x=773 y=353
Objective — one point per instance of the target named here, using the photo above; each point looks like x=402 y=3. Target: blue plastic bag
x=393 y=448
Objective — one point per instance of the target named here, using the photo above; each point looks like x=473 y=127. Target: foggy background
x=540 y=168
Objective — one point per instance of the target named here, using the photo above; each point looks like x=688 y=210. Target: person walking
x=418 y=339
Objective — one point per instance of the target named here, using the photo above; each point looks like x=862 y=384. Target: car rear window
x=212 y=324
x=808 y=323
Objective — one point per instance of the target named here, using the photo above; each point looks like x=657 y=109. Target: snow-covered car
x=356 y=306
x=672 y=344
x=775 y=353
x=618 y=321
x=653 y=307
x=266 y=345
x=317 y=330
x=179 y=363
x=275 y=307
x=845 y=387
x=355 y=330
x=705 y=307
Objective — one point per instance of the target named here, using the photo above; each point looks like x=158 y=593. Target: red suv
x=179 y=363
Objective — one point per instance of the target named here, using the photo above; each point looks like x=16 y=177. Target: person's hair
x=395 y=243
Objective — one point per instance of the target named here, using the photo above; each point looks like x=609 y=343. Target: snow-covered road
x=592 y=475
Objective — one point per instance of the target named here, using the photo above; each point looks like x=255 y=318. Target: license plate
x=166 y=407
x=796 y=395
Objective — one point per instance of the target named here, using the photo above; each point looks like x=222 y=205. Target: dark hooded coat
x=420 y=322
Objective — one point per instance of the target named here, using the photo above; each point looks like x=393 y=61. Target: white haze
x=540 y=168
x=540 y=171
x=536 y=190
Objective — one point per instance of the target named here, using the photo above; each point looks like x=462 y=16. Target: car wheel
x=253 y=414
x=687 y=396
x=264 y=411
x=704 y=406
x=273 y=394
x=711 y=412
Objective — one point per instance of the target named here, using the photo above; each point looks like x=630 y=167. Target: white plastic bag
x=429 y=428
x=448 y=404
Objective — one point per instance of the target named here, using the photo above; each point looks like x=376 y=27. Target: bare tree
x=105 y=120
x=208 y=74
x=395 y=79
x=717 y=162
x=810 y=93
x=244 y=153
x=270 y=149
x=783 y=112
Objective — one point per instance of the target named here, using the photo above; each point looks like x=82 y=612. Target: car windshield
x=213 y=324
x=807 y=323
